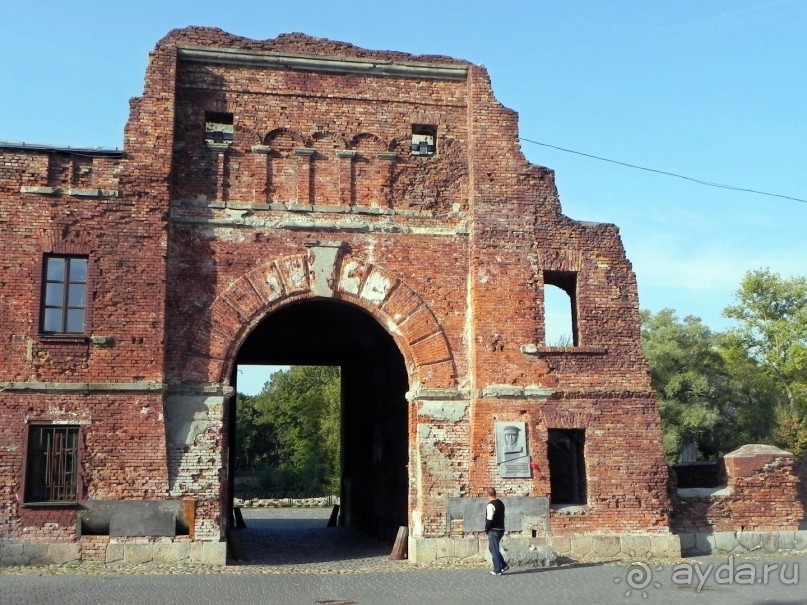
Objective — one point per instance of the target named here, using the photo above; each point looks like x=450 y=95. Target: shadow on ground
x=299 y=536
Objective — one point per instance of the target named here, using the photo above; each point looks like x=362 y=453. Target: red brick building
x=299 y=200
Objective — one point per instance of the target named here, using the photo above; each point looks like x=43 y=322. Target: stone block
x=561 y=544
x=36 y=553
x=467 y=548
x=422 y=550
x=63 y=553
x=800 y=540
x=787 y=540
x=606 y=547
x=770 y=541
x=688 y=541
x=10 y=549
x=726 y=541
x=134 y=553
x=750 y=540
x=669 y=545
x=214 y=553
x=172 y=552
x=635 y=546
x=114 y=552
x=523 y=555
x=444 y=548
x=582 y=546
x=704 y=543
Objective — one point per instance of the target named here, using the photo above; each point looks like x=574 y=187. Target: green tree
x=756 y=396
x=696 y=399
x=291 y=430
x=256 y=442
x=772 y=315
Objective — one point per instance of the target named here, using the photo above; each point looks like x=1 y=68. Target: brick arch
x=399 y=309
x=322 y=135
x=368 y=137
x=278 y=132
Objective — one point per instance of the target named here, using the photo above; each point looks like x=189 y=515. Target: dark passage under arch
x=375 y=448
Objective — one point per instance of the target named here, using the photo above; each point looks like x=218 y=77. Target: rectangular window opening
x=424 y=139
x=567 y=466
x=51 y=474
x=64 y=295
x=219 y=128
x=560 y=309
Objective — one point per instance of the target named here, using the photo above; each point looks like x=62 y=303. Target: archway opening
x=374 y=412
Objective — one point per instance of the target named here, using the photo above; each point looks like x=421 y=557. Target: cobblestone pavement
x=294 y=559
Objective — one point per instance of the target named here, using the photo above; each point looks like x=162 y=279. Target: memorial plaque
x=511 y=450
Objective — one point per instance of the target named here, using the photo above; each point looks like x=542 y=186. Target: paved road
x=298 y=562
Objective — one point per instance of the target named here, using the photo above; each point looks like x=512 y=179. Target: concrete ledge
x=740 y=542
x=509 y=391
x=69 y=191
x=84 y=387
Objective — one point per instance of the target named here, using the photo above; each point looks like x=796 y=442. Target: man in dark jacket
x=494 y=528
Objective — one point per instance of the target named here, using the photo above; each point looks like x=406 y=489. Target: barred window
x=52 y=465
x=64 y=295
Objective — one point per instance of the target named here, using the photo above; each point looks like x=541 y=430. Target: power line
x=664 y=172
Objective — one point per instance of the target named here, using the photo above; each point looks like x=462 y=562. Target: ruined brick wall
x=762 y=494
x=193 y=242
x=107 y=379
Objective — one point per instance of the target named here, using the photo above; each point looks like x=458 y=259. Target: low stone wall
x=123 y=552
x=609 y=547
x=538 y=552
x=743 y=542
x=258 y=502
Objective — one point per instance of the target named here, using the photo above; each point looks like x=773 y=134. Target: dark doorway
x=567 y=466
x=375 y=448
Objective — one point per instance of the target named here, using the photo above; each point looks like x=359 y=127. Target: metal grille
x=52 y=464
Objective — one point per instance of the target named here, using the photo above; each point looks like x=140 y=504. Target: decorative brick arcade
x=299 y=200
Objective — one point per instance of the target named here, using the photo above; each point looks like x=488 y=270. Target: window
x=218 y=128
x=64 y=295
x=567 y=466
x=51 y=469
x=560 y=309
x=424 y=140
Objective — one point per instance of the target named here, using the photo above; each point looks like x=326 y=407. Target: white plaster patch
x=376 y=287
x=296 y=273
x=453 y=411
x=145 y=410
x=350 y=280
x=273 y=284
x=392 y=328
x=323 y=265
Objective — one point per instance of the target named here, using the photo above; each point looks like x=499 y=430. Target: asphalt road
x=596 y=584
x=294 y=560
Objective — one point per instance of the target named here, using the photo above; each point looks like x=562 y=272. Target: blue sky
x=711 y=90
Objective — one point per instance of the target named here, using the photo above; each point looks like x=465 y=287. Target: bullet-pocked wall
x=308 y=201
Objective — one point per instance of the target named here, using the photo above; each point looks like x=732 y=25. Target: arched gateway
x=304 y=200
x=319 y=307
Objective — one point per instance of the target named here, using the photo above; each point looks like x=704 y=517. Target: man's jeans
x=494 y=537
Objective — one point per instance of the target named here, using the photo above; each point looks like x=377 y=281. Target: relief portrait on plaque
x=511 y=441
